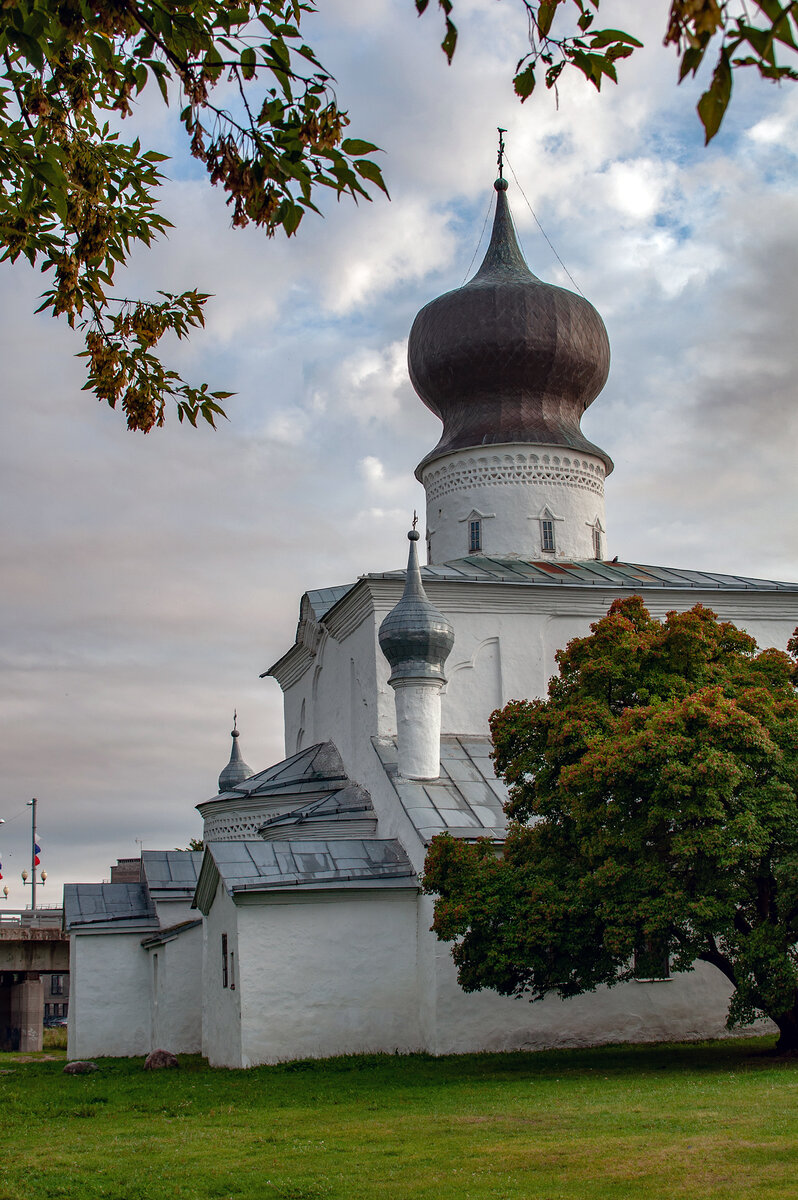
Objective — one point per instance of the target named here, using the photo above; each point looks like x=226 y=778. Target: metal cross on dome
x=501 y=151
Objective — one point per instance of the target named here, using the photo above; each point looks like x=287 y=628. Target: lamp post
x=32 y=806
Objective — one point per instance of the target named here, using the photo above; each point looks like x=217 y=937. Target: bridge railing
x=45 y=916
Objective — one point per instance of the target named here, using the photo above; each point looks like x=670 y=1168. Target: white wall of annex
x=221 y=1006
x=171 y=912
x=109 y=1001
x=176 y=993
x=326 y=976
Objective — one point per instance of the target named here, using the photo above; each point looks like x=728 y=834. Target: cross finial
x=415 y=518
x=501 y=151
x=235 y=719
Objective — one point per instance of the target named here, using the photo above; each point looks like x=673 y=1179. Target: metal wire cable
x=479 y=243
x=542 y=230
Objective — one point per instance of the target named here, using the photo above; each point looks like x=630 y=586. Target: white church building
x=301 y=930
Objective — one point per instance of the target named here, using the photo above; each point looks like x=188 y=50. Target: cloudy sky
x=147 y=581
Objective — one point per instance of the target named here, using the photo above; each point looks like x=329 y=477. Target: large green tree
x=259 y=111
x=653 y=808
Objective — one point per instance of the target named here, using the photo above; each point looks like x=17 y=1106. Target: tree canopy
x=260 y=113
x=653 y=810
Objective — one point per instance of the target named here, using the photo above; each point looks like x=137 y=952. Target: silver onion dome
x=416 y=637
x=236 y=770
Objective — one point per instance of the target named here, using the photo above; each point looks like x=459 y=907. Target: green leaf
x=367 y=169
x=606 y=37
x=248 y=63
x=545 y=16
x=450 y=39
x=524 y=82
x=50 y=172
x=714 y=102
x=354 y=146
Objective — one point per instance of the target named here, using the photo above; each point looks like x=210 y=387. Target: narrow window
x=224 y=961
x=56 y=985
x=48 y=1010
x=232 y=971
x=547 y=534
x=474 y=536
x=596 y=542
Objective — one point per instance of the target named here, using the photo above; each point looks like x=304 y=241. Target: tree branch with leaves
x=75 y=198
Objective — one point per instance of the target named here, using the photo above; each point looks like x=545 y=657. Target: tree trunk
x=788 y=1031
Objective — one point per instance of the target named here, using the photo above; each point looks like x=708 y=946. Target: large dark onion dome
x=508 y=358
x=416 y=637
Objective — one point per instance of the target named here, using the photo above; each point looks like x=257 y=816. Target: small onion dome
x=236 y=770
x=416 y=637
x=508 y=358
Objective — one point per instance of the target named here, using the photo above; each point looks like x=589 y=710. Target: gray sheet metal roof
x=316 y=769
x=591 y=572
x=171 y=870
x=350 y=803
x=125 y=905
x=322 y=599
x=466 y=800
x=261 y=866
x=169 y=932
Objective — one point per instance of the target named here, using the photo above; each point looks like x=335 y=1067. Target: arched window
x=547 y=539
x=547 y=519
x=597 y=541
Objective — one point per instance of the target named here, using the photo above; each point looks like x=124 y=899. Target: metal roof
x=340 y=808
x=261 y=865
x=589 y=572
x=127 y=905
x=173 y=870
x=168 y=933
x=467 y=798
x=322 y=599
x=317 y=768
x=478 y=568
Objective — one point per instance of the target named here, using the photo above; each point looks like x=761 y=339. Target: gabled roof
x=125 y=905
x=322 y=599
x=326 y=863
x=171 y=870
x=466 y=800
x=317 y=768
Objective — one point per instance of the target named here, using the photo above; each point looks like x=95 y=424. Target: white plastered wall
x=221 y=1006
x=328 y=973
x=109 y=1001
x=691 y=1005
x=335 y=699
x=175 y=969
x=509 y=489
x=506 y=639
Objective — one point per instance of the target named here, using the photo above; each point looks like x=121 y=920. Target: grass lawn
x=702 y=1121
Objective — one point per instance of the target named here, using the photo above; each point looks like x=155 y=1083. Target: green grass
x=716 y=1120
x=54 y=1039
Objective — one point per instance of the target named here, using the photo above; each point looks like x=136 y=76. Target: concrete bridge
x=32 y=944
